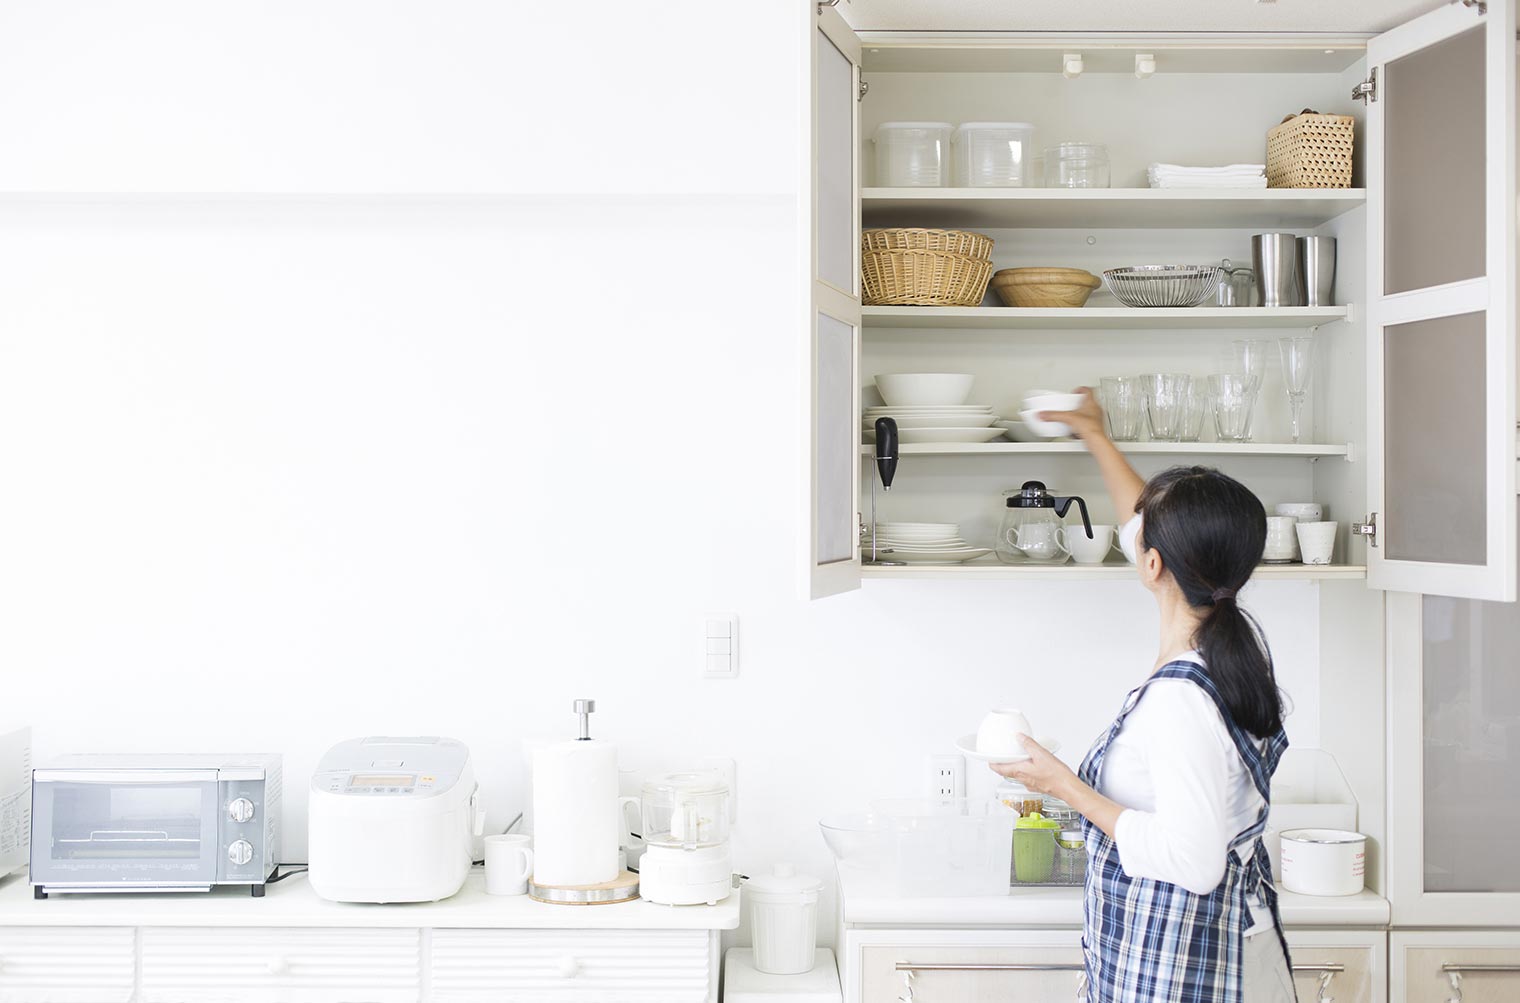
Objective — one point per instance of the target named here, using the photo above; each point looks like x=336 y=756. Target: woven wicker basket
x=973 y=245
x=1310 y=150
x=923 y=278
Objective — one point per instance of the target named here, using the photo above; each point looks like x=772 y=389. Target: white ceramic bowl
x=1046 y=429
x=1045 y=400
x=999 y=733
x=922 y=389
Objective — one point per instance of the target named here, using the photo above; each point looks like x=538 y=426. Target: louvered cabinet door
x=246 y=965
x=572 y=966
x=67 y=964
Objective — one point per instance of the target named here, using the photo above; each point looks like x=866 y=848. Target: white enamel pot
x=1323 y=861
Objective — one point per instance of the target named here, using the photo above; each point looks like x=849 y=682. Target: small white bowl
x=1046 y=429
x=918 y=389
x=999 y=733
x=1045 y=400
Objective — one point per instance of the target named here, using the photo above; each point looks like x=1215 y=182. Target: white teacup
x=1041 y=541
x=1000 y=731
x=1094 y=551
x=1282 y=541
x=509 y=862
x=1317 y=541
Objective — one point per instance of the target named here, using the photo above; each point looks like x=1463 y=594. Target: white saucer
x=967 y=747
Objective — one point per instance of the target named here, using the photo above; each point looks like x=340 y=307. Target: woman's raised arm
x=1124 y=485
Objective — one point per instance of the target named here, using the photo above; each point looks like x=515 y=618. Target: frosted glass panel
x=834 y=167
x=1434 y=467
x=836 y=436
x=1433 y=150
x=1472 y=743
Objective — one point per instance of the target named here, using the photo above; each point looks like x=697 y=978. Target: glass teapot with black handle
x=1032 y=531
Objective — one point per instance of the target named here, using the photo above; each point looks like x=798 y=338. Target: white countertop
x=1062 y=907
x=292 y=903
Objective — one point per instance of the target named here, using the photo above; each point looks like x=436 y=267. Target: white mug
x=1038 y=540
x=1317 y=541
x=509 y=861
x=1282 y=542
x=999 y=733
x=1302 y=511
x=1094 y=551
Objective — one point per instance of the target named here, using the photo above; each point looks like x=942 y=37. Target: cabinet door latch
x=1367 y=529
x=1481 y=6
x=1366 y=90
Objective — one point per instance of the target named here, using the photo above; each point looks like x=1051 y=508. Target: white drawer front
x=1342 y=974
x=67 y=964
x=571 y=966
x=247 y=965
x=1487 y=974
x=974 y=973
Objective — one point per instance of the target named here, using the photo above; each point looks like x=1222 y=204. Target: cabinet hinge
x=865 y=88
x=825 y=4
x=1367 y=529
x=1480 y=5
x=1367 y=89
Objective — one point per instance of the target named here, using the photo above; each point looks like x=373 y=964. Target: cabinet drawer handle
x=567 y=968
x=1333 y=969
x=1462 y=969
x=904 y=966
x=278 y=965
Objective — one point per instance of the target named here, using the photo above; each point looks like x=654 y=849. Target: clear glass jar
x=1071 y=857
x=688 y=810
x=1077 y=165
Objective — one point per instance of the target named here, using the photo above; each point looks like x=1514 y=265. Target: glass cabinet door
x=833 y=391
x=1440 y=170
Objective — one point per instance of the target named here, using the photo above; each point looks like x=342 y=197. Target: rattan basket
x=1310 y=150
x=923 y=278
x=973 y=245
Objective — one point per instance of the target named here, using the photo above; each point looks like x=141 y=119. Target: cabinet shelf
x=991 y=571
x=1107 y=208
x=987 y=318
x=1306 y=450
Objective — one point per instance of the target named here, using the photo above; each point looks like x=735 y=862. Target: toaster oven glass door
x=125 y=827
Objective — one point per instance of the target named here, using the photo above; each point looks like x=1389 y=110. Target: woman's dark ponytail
x=1210 y=531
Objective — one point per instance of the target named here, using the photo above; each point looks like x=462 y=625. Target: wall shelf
x=986 y=570
x=1107 y=208
x=1123 y=318
x=1303 y=449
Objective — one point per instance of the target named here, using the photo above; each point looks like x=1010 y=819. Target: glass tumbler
x=1163 y=395
x=1120 y=397
x=1195 y=407
x=1233 y=397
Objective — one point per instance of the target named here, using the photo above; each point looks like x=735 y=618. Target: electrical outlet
x=947 y=776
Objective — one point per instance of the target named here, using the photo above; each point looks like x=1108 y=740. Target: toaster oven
x=166 y=823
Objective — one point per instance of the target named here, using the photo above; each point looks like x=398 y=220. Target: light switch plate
x=721 y=646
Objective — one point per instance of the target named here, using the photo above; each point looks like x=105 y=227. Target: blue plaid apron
x=1147 y=941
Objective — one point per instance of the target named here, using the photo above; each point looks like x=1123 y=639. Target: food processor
x=687 y=858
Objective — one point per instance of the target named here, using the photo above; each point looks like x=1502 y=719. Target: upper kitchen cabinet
x=1441 y=303
x=833 y=314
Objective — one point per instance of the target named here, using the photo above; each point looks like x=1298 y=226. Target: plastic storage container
x=1077 y=165
x=931 y=847
x=783 y=911
x=912 y=154
x=993 y=154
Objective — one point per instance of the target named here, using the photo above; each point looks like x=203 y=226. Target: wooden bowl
x=1044 y=287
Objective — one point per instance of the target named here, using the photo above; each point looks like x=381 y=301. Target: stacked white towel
x=1232 y=176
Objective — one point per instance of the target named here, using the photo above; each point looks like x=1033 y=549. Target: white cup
x=1282 y=542
x=1039 y=540
x=1302 y=511
x=509 y=861
x=1317 y=541
x=1094 y=551
x=1000 y=731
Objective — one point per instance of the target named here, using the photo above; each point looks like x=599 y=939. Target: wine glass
x=1298 y=368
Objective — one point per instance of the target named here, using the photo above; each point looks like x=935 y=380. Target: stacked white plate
x=936 y=423
x=922 y=543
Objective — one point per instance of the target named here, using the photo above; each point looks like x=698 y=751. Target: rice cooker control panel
x=391 y=767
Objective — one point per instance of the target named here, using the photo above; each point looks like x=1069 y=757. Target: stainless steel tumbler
x=1316 y=263
x=1278 y=280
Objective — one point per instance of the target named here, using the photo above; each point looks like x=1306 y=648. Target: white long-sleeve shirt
x=1186 y=793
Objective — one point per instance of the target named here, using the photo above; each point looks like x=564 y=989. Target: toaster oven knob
x=240 y=852
x=240 y=810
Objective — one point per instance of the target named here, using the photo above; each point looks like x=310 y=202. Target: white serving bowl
x=1046 y=400
x=1044 y=429
x=922 y=389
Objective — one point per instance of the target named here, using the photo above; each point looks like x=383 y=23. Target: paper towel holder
x=584 y=709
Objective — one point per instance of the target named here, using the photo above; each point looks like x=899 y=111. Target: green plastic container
x=1034 y=848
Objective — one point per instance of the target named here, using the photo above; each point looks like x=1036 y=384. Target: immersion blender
x=886 y=469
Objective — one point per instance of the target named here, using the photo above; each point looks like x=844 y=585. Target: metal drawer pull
x=1333 y=969
x=904 y=966
x=1462 y=969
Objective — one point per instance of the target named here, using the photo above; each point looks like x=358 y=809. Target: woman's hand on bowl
x=1042 y=772
x=1085 y=422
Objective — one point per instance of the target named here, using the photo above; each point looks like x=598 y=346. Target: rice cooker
x=393 y=820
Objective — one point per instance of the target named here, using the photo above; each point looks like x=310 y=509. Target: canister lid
x=784 y=880
x=1036 y=821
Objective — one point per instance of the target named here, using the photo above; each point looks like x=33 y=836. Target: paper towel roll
x=575 y=813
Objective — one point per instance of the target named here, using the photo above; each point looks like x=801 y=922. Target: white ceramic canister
x=1323 y=861
x=783 y=917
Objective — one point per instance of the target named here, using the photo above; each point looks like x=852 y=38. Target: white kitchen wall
x=285 y=470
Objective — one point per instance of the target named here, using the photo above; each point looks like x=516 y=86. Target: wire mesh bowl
x=1163 y=285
